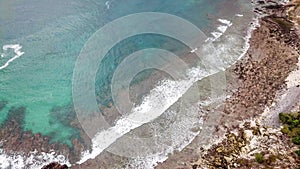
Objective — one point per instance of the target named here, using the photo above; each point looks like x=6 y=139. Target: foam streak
x=18 y=53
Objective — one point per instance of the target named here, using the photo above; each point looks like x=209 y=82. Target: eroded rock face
x=251 y=146
x=55 y=165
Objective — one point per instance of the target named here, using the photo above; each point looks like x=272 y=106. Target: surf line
x=157 y=102
x=17 y=50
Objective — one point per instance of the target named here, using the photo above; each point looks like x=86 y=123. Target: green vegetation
x=291 y=127
x=297 y=152
x=259 y=158
x=296 y=140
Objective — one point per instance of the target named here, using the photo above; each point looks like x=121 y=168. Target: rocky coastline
x=257 y=80
x=246 y=141
x=17 y=142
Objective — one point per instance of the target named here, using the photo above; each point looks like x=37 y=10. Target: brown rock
x=55 y=165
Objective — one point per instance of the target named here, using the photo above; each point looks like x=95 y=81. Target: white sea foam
x=179 y=138
x=253 y=26
x=160 y=99
x=151 y=161
x=216 y=35
x=107 y=4
x=166 y=94
x=157 y=102
x=229 y=49
x=146 y=163
x=226 y=22
x=239 y=15
x=17 y=50
x=33 y=161
x=194 y=50
x=221 y=29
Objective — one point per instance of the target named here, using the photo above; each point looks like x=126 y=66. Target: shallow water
x=52 y=34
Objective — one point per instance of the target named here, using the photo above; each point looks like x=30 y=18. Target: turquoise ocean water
x=52 y=33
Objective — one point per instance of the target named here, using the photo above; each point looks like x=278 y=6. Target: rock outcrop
x=55 y=165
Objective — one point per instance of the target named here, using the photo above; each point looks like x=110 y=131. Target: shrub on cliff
x=291 y=127
x=259 y=158
x=296 y=140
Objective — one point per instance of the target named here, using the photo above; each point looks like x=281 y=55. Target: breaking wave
x=17 y=50
x=228 y=49
x=33 y=160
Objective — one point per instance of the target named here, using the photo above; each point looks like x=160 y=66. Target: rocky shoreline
x=255 y=82
x=17 y=142
x=259 y=77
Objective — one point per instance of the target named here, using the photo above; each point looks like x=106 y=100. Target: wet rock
x=25 y=142
x=55 y=165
